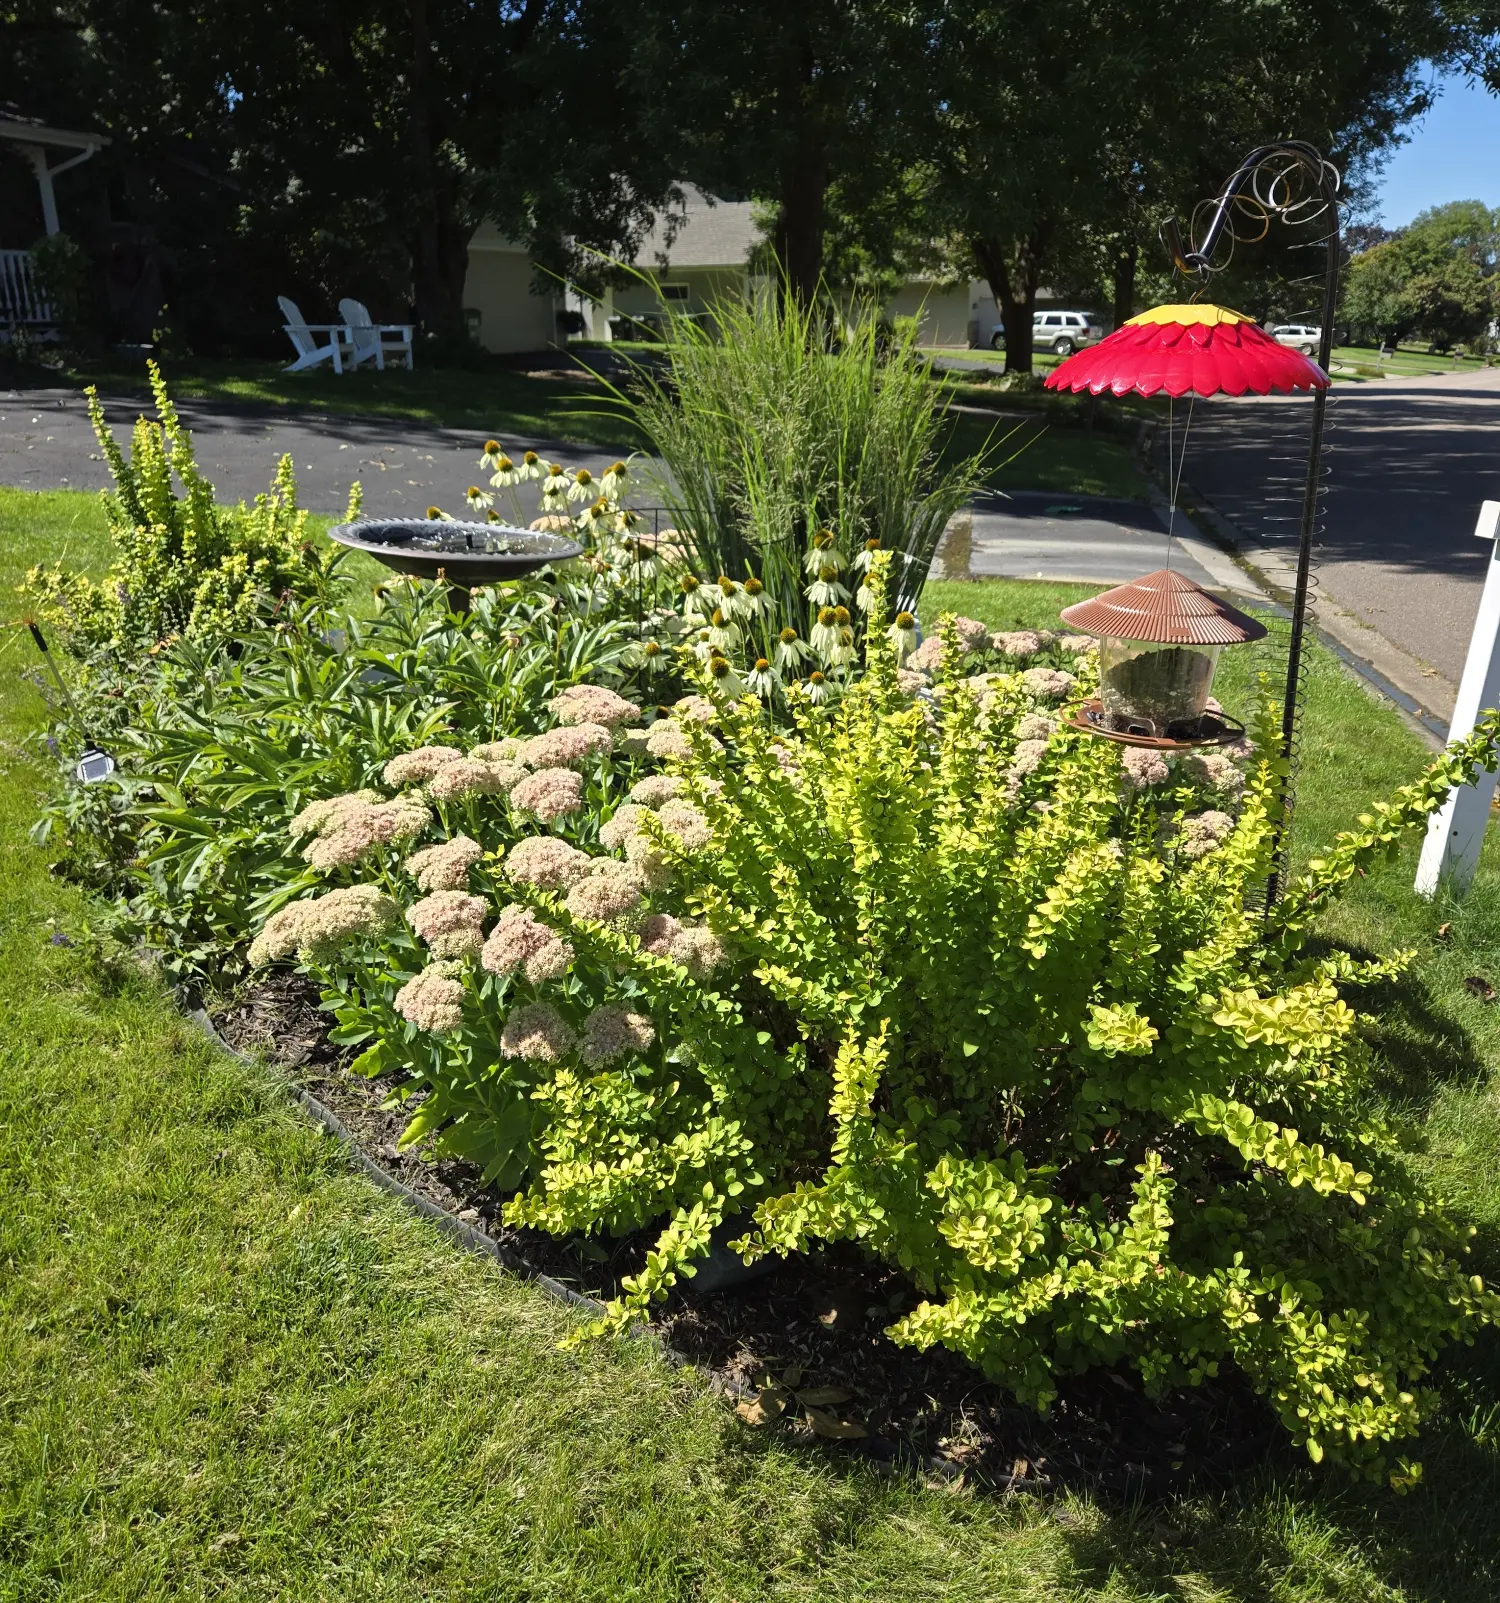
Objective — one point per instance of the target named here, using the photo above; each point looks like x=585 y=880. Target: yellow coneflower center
x=718 y=617
x=841 y=614
x=904 y=620
x=617 y=469
x=827 y=615
x=728 y=586
x=761 y=665
x=505 y=464
x=823 y=539
x=474 y=492
x=753 y=587
x=687 y=584
x=492 y=448
x=652 y=649
x=719 y=667
x=872 y=545
x=434 y=512
x=815 y=678
x=788 y=636
x=827 y=575
x=584 y=476
x=531 y=459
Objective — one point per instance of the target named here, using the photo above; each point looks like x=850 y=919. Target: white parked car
x=1062 y=332
x=1300 y=336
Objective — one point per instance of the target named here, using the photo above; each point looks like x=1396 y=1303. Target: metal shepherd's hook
x=1272 y=165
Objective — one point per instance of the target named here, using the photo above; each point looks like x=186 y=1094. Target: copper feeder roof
x=1166 y=609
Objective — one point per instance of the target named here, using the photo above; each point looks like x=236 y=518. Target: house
x=22 y=301
x=683 y=266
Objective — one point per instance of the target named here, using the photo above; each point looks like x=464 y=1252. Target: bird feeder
x=1159 y=644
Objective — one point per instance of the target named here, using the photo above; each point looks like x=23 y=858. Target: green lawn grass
x=231 y=1368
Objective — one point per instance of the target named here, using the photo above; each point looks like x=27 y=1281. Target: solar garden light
x=1199 y=349
x=95 y=764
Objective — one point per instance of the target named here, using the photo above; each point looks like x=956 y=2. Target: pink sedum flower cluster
x=450 y=922
x=592 y=704
x=419 y=766
x=1144 y=767
x=433 y=1000
x=445 y=867
x=345 y=829
x=315 y=929
x=537 y=1033
x=546 y=863
x=1047 y=684
x=520 y=940
x=694 y=946
x=567 y=747
x=550 y=794
x=611 y=1032
x=609 y=894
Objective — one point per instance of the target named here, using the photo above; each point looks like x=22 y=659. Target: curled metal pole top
x=1267 y=173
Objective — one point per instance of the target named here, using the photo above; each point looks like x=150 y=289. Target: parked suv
x=1063 y=332
x=1300 y=336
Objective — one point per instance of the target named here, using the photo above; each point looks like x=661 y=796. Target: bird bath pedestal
x=462 y=554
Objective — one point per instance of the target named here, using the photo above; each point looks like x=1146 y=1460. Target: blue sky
x=1453 y=154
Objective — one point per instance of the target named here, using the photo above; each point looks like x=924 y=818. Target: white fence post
x=1455 y=833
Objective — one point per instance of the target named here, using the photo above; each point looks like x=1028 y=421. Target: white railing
x=21 y=298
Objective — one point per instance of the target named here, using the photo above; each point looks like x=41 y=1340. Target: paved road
x=46 y=443
x=1036 y=534
x=1409 y=463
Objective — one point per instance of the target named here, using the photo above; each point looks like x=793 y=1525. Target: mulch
x=812 y=1325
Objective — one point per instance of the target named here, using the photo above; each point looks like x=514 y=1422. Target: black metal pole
x=1197 y=263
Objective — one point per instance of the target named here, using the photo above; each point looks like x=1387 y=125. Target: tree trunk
x=799 y=220
x=440 y=242
x=1126 y=259
x=1013 y=271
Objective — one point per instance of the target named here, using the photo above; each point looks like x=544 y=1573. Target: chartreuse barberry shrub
x=183 y=566
x=1010 y=1016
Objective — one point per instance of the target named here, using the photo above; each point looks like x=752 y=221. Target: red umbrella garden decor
x=1160 y=635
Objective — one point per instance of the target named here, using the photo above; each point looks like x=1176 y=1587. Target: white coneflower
x=822 y=553
x=437 y=515
x=825 y=590
x=762 y=681
x=790 y=653
x=722 y=633
x=613 y=481
x=478 y=500
x=824 y=636
x=492 y=456
x=582 y=487
x=815 y=688
x=903 y=633
x=555 y=490
x=864 y=596
x=649 y=655
x=865 y=557
x=844 y=653
x=726 y=681
x=505 y=474
x=531 y=466
x=757 y=602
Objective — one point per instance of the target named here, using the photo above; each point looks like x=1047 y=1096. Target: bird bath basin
x=464 y=554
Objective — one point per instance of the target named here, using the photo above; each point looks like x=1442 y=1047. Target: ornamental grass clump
x=1016 y=1022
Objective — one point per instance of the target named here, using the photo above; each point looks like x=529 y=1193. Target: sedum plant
x=183 y=566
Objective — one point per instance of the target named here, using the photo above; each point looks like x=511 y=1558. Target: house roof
x=710 y=233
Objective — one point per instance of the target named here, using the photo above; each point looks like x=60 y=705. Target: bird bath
x=462 y=554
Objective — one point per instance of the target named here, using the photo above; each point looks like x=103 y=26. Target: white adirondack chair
x=371 y=340
x=303 y=336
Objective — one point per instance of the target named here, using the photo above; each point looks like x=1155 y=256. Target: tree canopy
x=1435 y=279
